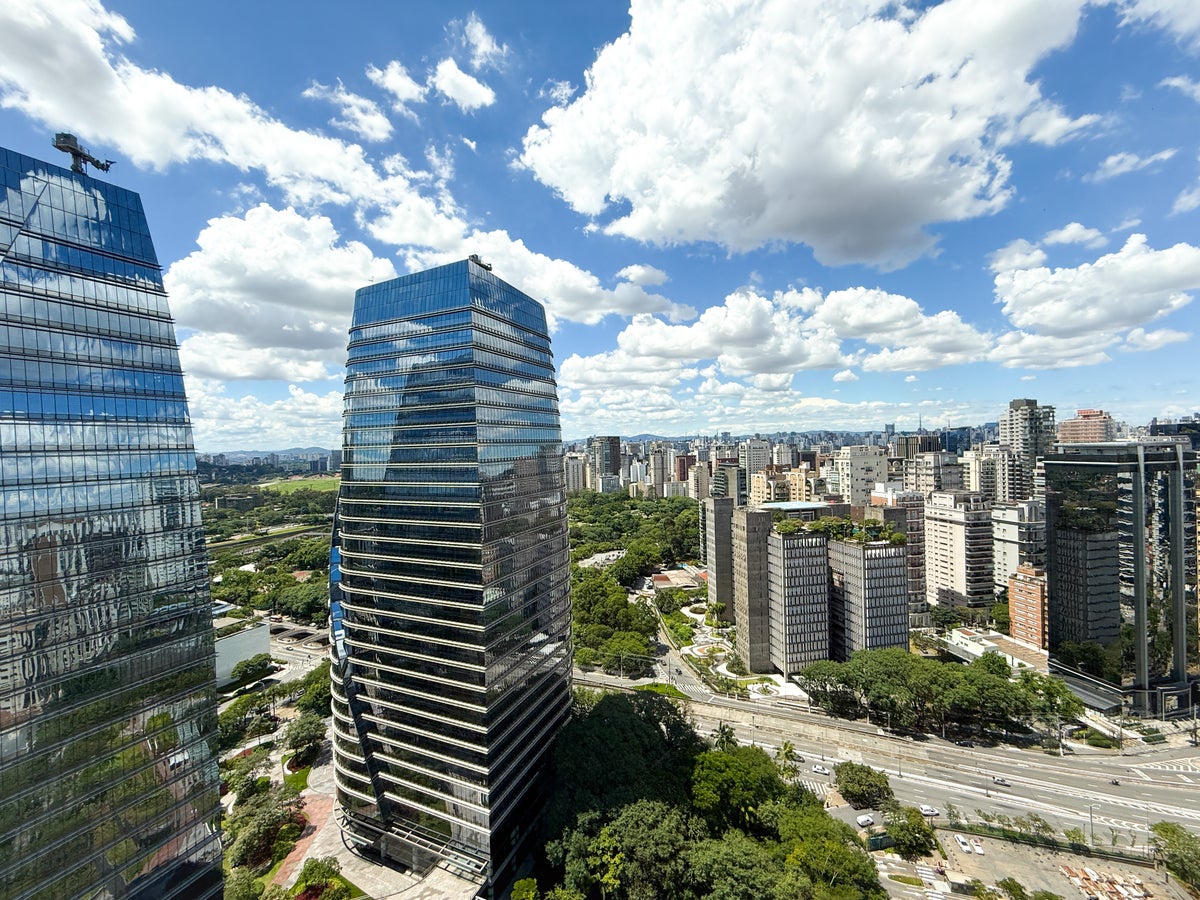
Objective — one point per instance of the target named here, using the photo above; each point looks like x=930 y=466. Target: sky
x=745 y=216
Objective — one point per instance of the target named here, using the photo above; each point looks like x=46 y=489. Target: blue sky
x=743 y=216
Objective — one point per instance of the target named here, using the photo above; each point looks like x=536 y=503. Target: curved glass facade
x=108 y=780
x=451 y=595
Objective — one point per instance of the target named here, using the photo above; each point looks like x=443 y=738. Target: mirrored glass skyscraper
x=108 y=782
x=451 y=612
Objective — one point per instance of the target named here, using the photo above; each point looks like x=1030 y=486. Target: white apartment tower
x=575 y=472
x=859 y=468
x=754 y=455
x=958 y=549
x=913 y=504
x=1018 y=538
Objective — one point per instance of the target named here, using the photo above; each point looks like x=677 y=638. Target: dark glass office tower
x=108 y=782
x=1121 y=570
x=451 y=614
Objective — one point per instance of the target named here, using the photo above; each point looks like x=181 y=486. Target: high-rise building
x=751 y=608
x=913 y=528
x=1089 y=426
x=929 y=472
x=604 y=458
x=699 y=481
x=574 y=472
x=1029 y=430
x=108 y=780
x=453 y=673
x=716 y=524
x=754 y=455
x=1027 y=605
x=1018 y=538
x=1121 y=567
x=958 y=549
x=768 y=487
x=798 y=598
x=868 y=596
x=859 y=468
x=909 y=445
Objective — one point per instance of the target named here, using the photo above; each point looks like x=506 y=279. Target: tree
x=1000 y=616
x=786 y=758
x=304 y=734
x=319 y=871
x=1180 y=849
x=944 y=617
x=729 y=787
x=525 y=889
x=1075 y=835
x=862 y=786
x=252 y=669
x=241 y=772
x=724 y=737
x=240 y=884
x=732 y=867
x=1013 y=888
x=305 y=602
x=911 y=832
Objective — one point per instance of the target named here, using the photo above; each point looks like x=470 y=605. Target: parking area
x=1067 y=875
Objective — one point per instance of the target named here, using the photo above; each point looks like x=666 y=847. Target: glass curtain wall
x=108 y=780
x=451 y=606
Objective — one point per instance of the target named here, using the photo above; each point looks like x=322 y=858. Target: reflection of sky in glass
x=106 y=630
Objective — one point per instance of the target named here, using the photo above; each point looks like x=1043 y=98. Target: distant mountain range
x=297 y=452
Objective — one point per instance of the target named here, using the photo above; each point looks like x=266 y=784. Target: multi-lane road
x=1074 y=790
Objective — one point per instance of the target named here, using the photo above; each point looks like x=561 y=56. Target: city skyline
x=925 y=213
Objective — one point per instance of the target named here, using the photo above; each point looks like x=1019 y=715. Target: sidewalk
x=323 y=838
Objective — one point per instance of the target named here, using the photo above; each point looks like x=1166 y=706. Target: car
x=678 y=671
x=977 y=844
x=820 y=770
x=1003 y=782
x=927 y=810
x=962 y=844
x=964 y=743
x=865 y=821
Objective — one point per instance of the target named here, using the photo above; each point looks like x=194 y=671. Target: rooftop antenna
x=68 y=143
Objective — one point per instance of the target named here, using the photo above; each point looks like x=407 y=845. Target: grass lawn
x=668 y=690
x=322 y=483
x=297 y=779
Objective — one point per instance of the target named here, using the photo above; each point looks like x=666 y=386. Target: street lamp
x=1091 y=825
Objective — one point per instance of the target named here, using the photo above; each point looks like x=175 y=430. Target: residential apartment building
x=453 y=674
x=958 y=549
x=1018 y=538
x=108 y=713
x=994 y=471
x=1027 y=606
x=574 y=472
x=1029 y=430
x=604 y=458
x=754 y=455
x=858 y=469
x=768 y=487
x=912 y=503
x=1089 y=426
x=929 y=472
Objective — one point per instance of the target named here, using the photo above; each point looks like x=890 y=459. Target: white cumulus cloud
x=1183 y=83
x=883 y=121
x=468 y=92
x=359 y=115
x=845 y=375
x=1074 y=233
x=1129 y=287
x=402 y=87
x=485 y=50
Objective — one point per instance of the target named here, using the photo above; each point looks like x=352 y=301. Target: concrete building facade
x=958 y=549
x=749 y=536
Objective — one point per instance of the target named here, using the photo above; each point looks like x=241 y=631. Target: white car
x=963 y=845
x=927 y=810
x=820 y=770
x=978 y=845
x=865 y=821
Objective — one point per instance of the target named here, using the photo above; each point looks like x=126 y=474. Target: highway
x=1155 y=786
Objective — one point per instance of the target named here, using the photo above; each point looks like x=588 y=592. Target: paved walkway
x=323 y=838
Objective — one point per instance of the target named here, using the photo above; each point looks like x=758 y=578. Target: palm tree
x=724 y=738
x=786 y=758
